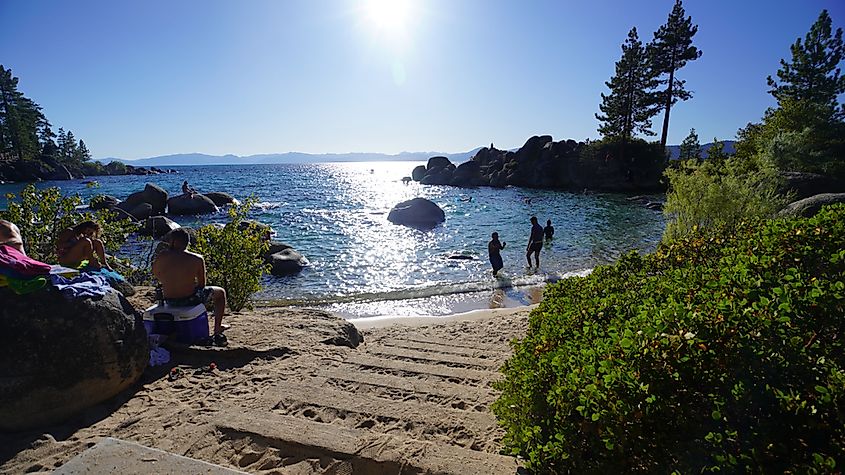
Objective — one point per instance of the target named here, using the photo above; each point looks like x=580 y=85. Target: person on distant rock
x=182 y=277
x=188 y=189
x=10 y=235
x=82 y=243
x=549 y=230
x=493 y=249
x=535 y=242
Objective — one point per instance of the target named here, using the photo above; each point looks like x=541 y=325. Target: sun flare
x=388 y=14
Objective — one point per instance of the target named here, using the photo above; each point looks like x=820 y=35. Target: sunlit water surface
x=362 y=265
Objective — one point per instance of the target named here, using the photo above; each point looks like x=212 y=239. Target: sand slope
x=410 y=399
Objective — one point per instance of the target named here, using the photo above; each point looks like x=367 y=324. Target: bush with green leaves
x=721 y=351
x=720 y=192
x=42 y=214
x=233 y=255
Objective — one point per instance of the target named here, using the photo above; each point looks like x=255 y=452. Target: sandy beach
x=288 y=397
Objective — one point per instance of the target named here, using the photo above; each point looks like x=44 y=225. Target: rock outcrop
x=543 y=163
x=188 y=204
x=221 y=199
x=63 y=356
x=417 y=213
x=157 y=227
x=810 y=206
x=99 y=202
x=284 y=259
x=151 y=194
x=805 y=185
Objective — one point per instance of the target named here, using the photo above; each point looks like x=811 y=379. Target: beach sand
x=286 y=398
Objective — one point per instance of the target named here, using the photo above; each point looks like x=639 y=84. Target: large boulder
x=468 y=174
x=804 y=185
x=810 y=206
x=418 y=173
x=157 y=227
x=437 y=162
x=284 y=259
x=221 y=199
x=103 y=202
x=62 y=356
x=152 y=194
x=188 y=204
x=417 y=213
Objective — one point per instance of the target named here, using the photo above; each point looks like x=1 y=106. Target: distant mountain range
x=299 y=157
x=289 y=157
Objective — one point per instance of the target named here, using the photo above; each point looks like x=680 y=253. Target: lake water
x=362 y=265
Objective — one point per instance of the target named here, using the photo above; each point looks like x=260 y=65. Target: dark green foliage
x=233 y=256
x=813 y=74
x=629 y=107
x=720 y=192
x=690 y=147
x=643 y=162
x=722 y=351
x=806 y=131
x=669 y=51
x=42 y=214
x=20 y=120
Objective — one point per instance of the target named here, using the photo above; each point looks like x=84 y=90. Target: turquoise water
x=362 y=265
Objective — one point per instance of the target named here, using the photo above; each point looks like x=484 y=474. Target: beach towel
x=86 y=285
x=23 y=286
x=16 y=264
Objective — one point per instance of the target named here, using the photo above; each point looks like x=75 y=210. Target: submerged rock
x=221 y=199
x=190 y=205
x=417 y=213
x=63 y=356
x=157 y=226
x=284 y=259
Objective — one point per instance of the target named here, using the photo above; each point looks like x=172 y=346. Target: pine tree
x=19 y=119
x=813 y=75
x=46 y=140
x=81 y=154
x=629 y=107
x=670 y=50
x=690 y=147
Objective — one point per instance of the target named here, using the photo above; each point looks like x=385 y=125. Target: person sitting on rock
x=82 y=243
x=188 y=189
x=10 y=235
x=182 y=277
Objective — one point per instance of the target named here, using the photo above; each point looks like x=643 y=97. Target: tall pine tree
x=19 y=119
x=690 y=147
x=629 y=107
x=670 y=50
x=813 y=75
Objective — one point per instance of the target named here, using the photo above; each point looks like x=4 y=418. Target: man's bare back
x=180 y=273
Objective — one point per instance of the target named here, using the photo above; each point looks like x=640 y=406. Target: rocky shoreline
x=14 y=171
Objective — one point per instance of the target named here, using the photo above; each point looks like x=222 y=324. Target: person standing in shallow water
x=493 y=248
x=535 y=242
x=549 y=230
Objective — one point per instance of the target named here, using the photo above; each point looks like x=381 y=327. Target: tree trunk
x=669 y=93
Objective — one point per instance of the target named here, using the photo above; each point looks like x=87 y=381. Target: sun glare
x=388 y=14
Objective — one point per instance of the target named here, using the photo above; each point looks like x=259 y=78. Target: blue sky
x=144 y=78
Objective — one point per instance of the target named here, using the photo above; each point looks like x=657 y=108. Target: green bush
x=720 y=192
x=233 y=256
x=720 y=351
x=42 y=214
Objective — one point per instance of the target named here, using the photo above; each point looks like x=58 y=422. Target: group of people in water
x=535 y=245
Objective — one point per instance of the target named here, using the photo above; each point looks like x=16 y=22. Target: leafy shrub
x=233 y=256
x=719 y=192
x=723 y=350
x=42 y=214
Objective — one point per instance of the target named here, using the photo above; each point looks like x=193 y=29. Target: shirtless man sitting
x=182 y=277
x=10 y=235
